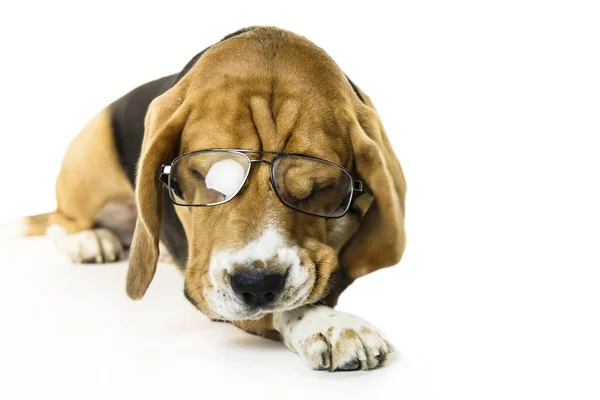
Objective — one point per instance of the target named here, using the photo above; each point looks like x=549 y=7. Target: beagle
x=267 y=175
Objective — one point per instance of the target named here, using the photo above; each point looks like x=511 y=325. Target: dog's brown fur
x=304 y=104
x=90 y=177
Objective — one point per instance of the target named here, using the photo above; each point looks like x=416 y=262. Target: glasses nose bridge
x=269 y=163
x=260 y=160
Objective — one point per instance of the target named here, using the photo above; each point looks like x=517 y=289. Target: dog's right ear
x=162 y=132
x=380 y=239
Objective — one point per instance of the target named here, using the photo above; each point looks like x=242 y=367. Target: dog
x=267 y=175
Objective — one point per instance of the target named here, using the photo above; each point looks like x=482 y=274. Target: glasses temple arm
x=165 y=170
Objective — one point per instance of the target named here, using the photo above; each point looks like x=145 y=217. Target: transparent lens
x=207 y=177
x=312 y=186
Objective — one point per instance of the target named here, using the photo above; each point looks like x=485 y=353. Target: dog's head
x=269 y=90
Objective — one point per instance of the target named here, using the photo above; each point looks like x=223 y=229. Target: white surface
x=73 y=331
x=492 y=108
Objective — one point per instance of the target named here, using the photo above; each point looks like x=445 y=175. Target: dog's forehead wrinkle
x=274 y=120
x=268 y=117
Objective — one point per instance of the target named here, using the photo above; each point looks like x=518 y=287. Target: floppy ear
x=380 y=239
x=162 y=133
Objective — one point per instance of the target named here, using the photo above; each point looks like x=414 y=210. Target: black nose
x=257 y=289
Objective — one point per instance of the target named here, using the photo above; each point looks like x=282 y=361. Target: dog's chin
x=228 y=313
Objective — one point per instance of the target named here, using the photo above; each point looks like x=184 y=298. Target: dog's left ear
x=380 y=239
x=162 y=132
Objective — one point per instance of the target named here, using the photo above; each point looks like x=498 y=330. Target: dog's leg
x=332 y=340
x=91 y=180
x=261 y=327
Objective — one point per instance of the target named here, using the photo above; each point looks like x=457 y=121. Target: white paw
x=332 y=340
x=89 y=246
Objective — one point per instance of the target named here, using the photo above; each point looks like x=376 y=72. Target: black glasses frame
x=165 y=176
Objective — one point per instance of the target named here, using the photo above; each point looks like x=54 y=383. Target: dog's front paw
x=331 y=340
x=344 y=349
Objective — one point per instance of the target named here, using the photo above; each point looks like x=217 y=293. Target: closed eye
x=318 y=191
x=197 y=174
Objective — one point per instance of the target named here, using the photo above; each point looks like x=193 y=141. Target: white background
x=493 y=109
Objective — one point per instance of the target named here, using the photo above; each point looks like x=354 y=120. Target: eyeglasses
x=307 y=184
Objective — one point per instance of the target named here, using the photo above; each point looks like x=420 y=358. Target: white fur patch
x=268 y=246
x=93 y=245
x=226 y=177
x=330 y=339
